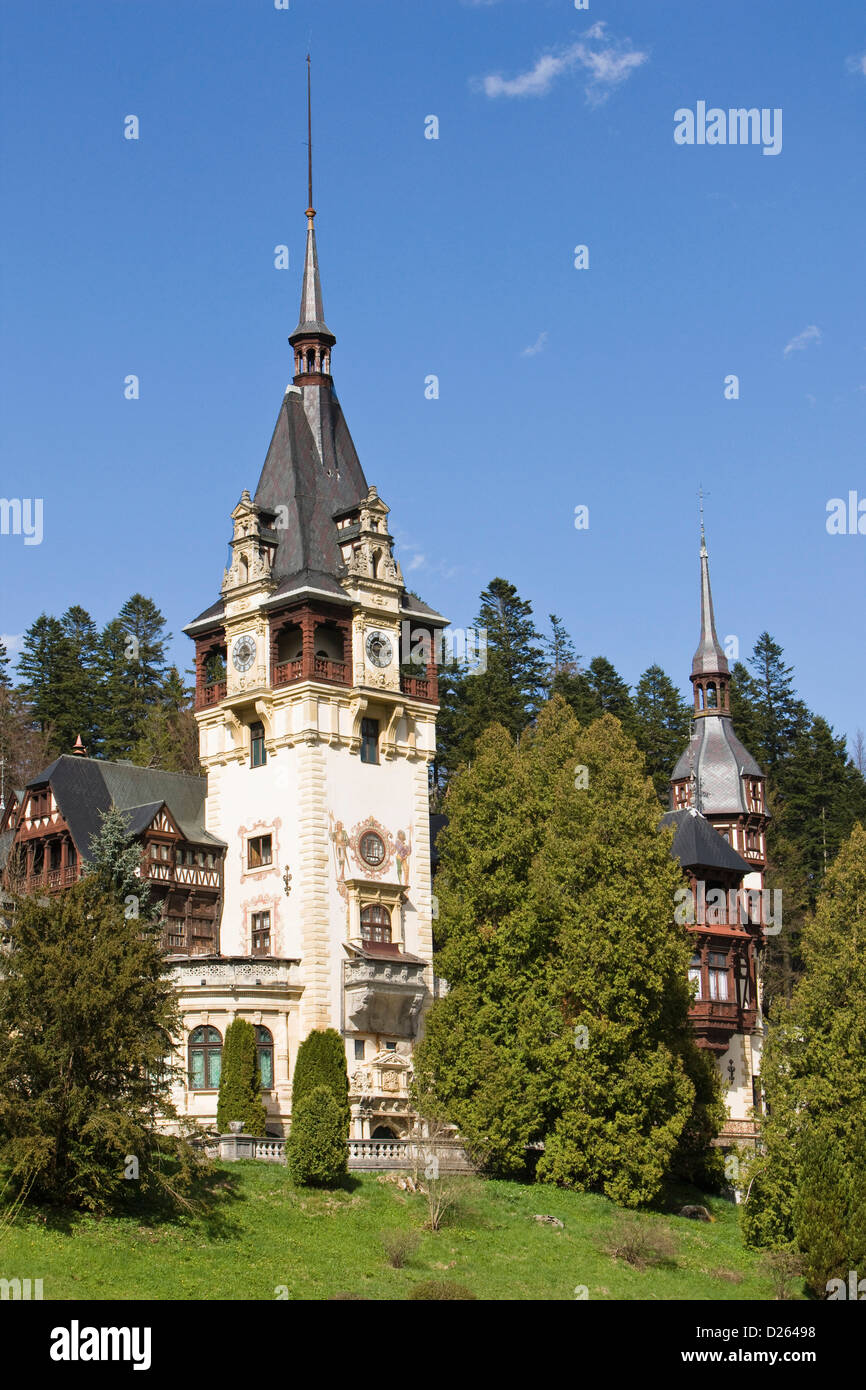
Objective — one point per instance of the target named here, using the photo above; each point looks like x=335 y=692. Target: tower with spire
x=719 y=819
x=316 y=719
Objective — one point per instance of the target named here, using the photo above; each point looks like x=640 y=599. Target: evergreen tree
x=316 y=1150
x=240 y=1087
x=611 y=691
x=75 y=683
x=169 y=737
x=321 y=1061
x=131 y=663
x=777 y=715
x=114 y=859
x=5 y=678
x=87 y=1013
x=561 y=656
x=663 y=727
x=509 y=690
x=814 y=1073
x=566 y=1019
x=577 y=692
x=43 y=653
x=829 y=1216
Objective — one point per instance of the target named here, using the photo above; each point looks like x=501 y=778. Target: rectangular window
x=695 y=973
x=369 y=740
x=718 y=976
x=258 y=753
x=359 y=1049
x=390 y=1047
x=258 y=851
x=261 y=933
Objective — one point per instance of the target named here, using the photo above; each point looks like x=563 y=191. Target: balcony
x=53 y=880
x=230 y=974
x=337 y=672
x=384 y=996
x=210 y=694
x=417 y=687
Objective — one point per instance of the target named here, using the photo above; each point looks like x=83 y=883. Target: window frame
x=209 y=1047
x=262 y=863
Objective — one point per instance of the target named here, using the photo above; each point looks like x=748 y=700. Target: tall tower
x=317 y=725
x=718 y=787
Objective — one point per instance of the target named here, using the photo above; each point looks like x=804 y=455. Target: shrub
x=239 y=1095
x=641 y=1243
x=432 y=1289
x=316 y=1148
x=321 y=1061
x=784 y=1267
x=830 y=1210
x=399 y=1245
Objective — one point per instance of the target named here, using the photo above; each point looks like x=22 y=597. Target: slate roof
x=709 y=659
x=720 y=762
x=85 y=786
x=697 y=842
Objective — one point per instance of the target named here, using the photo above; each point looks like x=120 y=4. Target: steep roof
x=709 y=659
x=84 y=787
x=698 y=843
x=719 y=762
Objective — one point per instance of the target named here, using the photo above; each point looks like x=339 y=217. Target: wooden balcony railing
x=323 y=670
x=210 y=694
x=287 y=671
x=185 y=875
x=416 y=687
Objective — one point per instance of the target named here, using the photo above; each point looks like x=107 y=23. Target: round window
x=372 y=848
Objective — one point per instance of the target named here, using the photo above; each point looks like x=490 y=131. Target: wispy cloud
x=535 y=348
x=812 y=334
x=608 y=61
x=857 y=64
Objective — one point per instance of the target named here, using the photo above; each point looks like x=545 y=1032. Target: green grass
x=266 y=1233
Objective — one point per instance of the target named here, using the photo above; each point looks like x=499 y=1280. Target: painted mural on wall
x=370 y=849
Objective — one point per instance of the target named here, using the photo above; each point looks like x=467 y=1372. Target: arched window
x=383 y=1132
x=265 y=1056
x=376 y=924
x=711 y=695
x=205 y=1059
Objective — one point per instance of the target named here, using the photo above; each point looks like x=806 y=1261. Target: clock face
x=379 y=649
x=244 y=653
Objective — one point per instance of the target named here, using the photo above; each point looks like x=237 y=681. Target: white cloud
x=14 y=644
x=857 y=64
x=608 y=62
x=417 y=562
x=811 y=399
x=536 y=347
x=812 y=334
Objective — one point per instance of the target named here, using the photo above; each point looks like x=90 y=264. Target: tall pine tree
x=663 y=725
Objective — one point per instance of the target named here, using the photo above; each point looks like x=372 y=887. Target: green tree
x=559 y=648
x=87 y=1013
x=777 y=715
x=829 y=1215
x=132 y=672
x=114 y=859
x=321 y=1061
x=169 y=736
x=5 y=679
x=509 y=690
x=43 y=652
x=663 y=725
x=240 y=1088
x=611 y=691
x=566 y=1020
x=316 y=1149
x=814 y=1066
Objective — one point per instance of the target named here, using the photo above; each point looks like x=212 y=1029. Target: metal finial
x=311 y=212
x=701 y=496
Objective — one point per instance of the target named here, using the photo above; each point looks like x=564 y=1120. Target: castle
x=294 y=878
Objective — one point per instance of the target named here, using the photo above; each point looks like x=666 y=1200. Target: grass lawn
x=266 y=1233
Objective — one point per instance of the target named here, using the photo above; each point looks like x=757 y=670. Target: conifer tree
x=169 y=737
x=663 y=725
x=611 y=691
x=561 y=656
x=814 y=1074
x=132 y=674
x=567 y=975
x=43 y=652
x=87 y=1014
x=321 y=1061
x=240 y=1086
x=316 y=1150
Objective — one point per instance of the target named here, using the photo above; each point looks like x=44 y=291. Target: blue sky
x=455 y=257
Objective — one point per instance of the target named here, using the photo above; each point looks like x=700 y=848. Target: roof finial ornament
x=311 y=211
x=701 y=496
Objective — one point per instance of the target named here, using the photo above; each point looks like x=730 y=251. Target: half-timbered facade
x=49 y=829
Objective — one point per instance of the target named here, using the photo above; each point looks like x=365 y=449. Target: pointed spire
x=312 y=339
x=710 y=659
